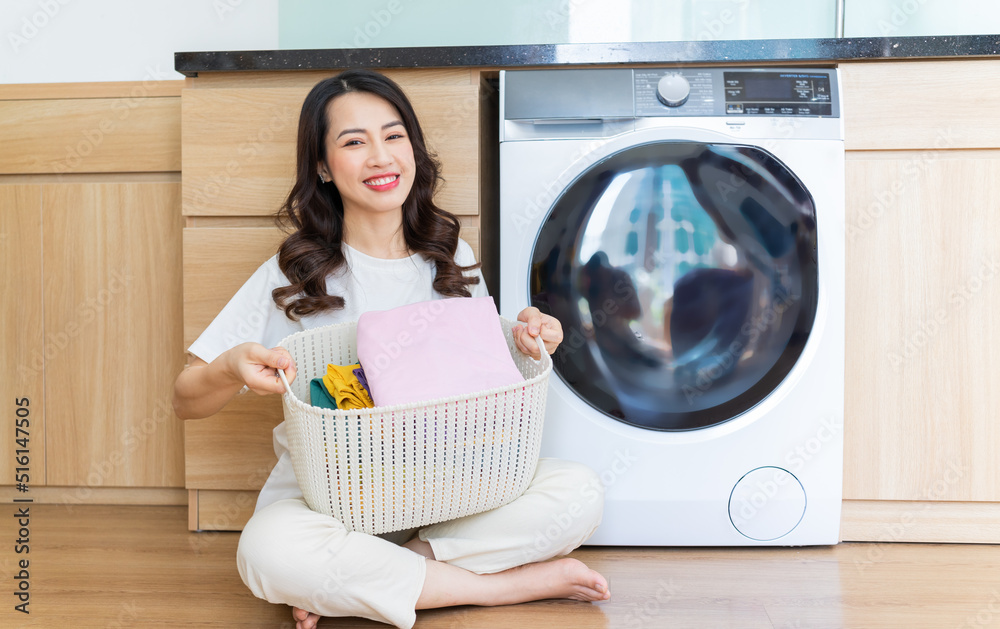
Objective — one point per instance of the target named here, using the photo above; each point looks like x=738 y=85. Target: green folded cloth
x=319 y=395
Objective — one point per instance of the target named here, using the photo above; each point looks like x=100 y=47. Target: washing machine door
x=685 y=277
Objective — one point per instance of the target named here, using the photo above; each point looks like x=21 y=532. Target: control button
x=752 y=110
x=804 y=110
x=787 y=111
x=769 y=110
x=673 y=90
x=734 y=108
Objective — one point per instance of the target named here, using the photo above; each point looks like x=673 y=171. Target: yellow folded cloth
x=345 y=388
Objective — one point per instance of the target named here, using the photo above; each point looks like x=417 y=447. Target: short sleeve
x=250 y=316
x=465 y=257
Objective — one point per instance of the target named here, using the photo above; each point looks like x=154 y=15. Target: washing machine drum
x=685 y=277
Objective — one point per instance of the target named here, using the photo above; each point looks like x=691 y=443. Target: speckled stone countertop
x=750 y=50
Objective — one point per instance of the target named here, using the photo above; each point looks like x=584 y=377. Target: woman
x=368 y=236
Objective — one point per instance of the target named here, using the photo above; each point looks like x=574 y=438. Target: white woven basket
x=391 y=468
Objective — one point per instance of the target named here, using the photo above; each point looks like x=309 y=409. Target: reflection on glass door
x=685 y=277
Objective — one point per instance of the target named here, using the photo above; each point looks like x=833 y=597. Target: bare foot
x=562 y=578
x=446 y=585
x=304 y=619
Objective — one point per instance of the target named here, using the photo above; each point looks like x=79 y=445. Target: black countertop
x=687 y=52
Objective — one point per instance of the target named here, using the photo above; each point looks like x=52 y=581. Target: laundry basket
x=391 y=468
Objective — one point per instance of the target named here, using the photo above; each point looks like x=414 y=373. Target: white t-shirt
x=365 y=283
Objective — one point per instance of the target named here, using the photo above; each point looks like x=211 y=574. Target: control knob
x=673 y=90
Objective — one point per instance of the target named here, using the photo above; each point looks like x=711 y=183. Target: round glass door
x=685 y=277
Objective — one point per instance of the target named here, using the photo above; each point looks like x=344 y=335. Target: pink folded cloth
x=434 y=349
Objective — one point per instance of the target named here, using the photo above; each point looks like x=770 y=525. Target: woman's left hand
x=537 y=323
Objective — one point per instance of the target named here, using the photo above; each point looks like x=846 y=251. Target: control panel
x=778 y=93
x=800 y=92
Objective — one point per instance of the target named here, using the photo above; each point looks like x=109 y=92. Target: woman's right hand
x=256 y=366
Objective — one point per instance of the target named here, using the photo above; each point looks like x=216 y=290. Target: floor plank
x=128 y=566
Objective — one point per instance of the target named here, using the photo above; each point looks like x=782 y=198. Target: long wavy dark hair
x=314 y=211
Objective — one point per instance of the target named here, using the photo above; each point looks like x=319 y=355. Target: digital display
x=767 y=89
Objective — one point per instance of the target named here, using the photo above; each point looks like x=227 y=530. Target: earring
x=321 y=178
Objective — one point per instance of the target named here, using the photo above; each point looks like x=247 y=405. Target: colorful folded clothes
x=319 y=396
x=340 y=389
x=360 y=374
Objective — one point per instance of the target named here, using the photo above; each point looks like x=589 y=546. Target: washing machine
x=686 y=226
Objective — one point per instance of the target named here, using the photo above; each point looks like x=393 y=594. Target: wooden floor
x=97 y=566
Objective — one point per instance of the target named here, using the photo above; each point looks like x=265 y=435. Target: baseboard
x=915 y=521
x=861 y=520
x=220 y=510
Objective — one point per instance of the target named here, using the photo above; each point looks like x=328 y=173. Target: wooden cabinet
x=21 y=330
x=923 y=289
x=90 y=237
x=111 y=287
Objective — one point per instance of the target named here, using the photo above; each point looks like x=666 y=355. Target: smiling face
x=368 y=154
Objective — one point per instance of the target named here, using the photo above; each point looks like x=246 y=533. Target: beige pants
x=289 y=554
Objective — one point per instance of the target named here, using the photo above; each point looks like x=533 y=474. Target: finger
x=553 y=324
x=526 y=343
x=260 y=355
x=291 y=370
x=533 y=317
x=551 y=333
x=516 y=332
x=279 y=358
x=550 y=343
x=265 y=380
